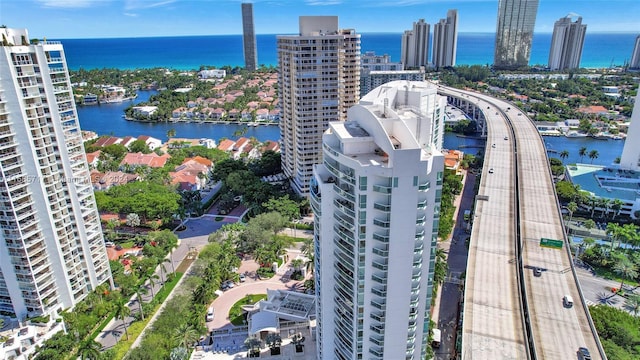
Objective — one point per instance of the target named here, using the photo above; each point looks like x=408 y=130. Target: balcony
x=382 y=189
x=380 y=278
x=377 y=351
x=422 y=204
x=379 y=304
x=344 y=207
x=424 y=186
x=382 y=223
x=382 y=207
x=379 y=291
x=344 y=192
x=381 y=237
x=380 y=264
x=377 y=339
x=421 y=221
x=381 y=251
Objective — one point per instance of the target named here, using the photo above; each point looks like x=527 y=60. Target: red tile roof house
x=262 y=114
x=179 y=112
x=106 y=141
x=133 y=160
x=226 y=145
x=189 y=175
x=217 y=113
x=271 y=145
x=93 y=158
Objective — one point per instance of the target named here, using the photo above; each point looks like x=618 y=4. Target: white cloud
x=70 y=3
x=146 y=4
x=130 y=14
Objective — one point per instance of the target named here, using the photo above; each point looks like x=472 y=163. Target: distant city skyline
x=69 y=19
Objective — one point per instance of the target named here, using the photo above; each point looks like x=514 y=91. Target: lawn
x=236 y=314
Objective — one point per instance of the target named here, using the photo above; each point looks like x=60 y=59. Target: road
x=450 y=296
x=493 y=327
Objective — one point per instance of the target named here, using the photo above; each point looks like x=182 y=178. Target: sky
x=69 y=19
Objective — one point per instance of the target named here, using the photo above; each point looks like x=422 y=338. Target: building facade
x=630 y=159
x=370 y=61
x=514 y=33
x=319 y=79
x=370 y=80
x=249 y=44
x=566 y=44
x=51 y=245
x=445 y=40
x=635 y=57
x=376 y=202
x=414 y=49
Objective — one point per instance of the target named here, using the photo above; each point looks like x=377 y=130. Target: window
x=363 y=183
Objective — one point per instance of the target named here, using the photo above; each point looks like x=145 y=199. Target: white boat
x=575 y=134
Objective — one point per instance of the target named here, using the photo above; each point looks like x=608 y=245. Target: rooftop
x=606 y=182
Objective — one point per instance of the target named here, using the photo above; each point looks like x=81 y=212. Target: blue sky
x=64 y=19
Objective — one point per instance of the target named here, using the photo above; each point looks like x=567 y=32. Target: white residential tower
x=376 y=199
x=414 y=50
x=445 y=40
x=52 y=252
x=566 y=44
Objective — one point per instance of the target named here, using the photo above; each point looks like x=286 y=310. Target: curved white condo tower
x=376 y=199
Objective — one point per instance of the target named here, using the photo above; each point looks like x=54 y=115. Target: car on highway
x=583 y=354
x=537 y=272
x=506 y=138
x=493 y=145
x=567 y=301
x=491 y=171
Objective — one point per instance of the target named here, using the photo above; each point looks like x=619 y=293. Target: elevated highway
x=509 y=313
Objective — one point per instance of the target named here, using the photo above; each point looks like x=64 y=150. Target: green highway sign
x=551 y=243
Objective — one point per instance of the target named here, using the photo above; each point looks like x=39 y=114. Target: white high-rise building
x=414 y=50
x=635 y=57
x=630 y=159
x=52 y=252
x=319 y=80
x=566 y=44
x=514 y=33
x=376 y=201
x=445 y=40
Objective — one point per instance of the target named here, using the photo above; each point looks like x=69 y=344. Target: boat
x=575 y=134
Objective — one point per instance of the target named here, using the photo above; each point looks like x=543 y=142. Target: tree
x=171 y=133
x=89 y=350
x=593 y=154
x=179 y=353
x=122 y=311
x=571 y=207
x=633 y=304
x=253 y=344
x=626 y=269
x=582 y=152
x=273 y=341
x=185 y=335
x=285 y=206
x=564 y=154
x=133 y=220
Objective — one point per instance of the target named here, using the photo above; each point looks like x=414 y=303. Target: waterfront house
x=453 y=160
x=262 y=114
x=214 y=73
x=217 y=113
x=90 y=99
x=127 y=140
x=151 y=142
x=107 y=140
x=226 y=145
x=144 y=110
x=271 y=146
x=88 y=135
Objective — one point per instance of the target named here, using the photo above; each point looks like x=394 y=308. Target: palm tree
x=593 y=154
x=563 y=155
x=588 y=242
x=171 y=133
x=616 y=206
x=626 y=269
x=613 y=230
x=571 y=207
x=253 y=344
x=582 y=152
x=273 y=341
x=89 y=350
x=633 y=304
x=122 y=311
x=163 y=270
x=185 y=335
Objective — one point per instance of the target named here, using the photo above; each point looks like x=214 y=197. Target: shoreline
x=212 y=122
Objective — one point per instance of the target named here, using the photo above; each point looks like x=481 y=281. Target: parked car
x=109 y=244
x=242 y=278
x=210 y=314
x=227 y=285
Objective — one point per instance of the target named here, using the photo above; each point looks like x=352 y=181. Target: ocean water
x=190 y=52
